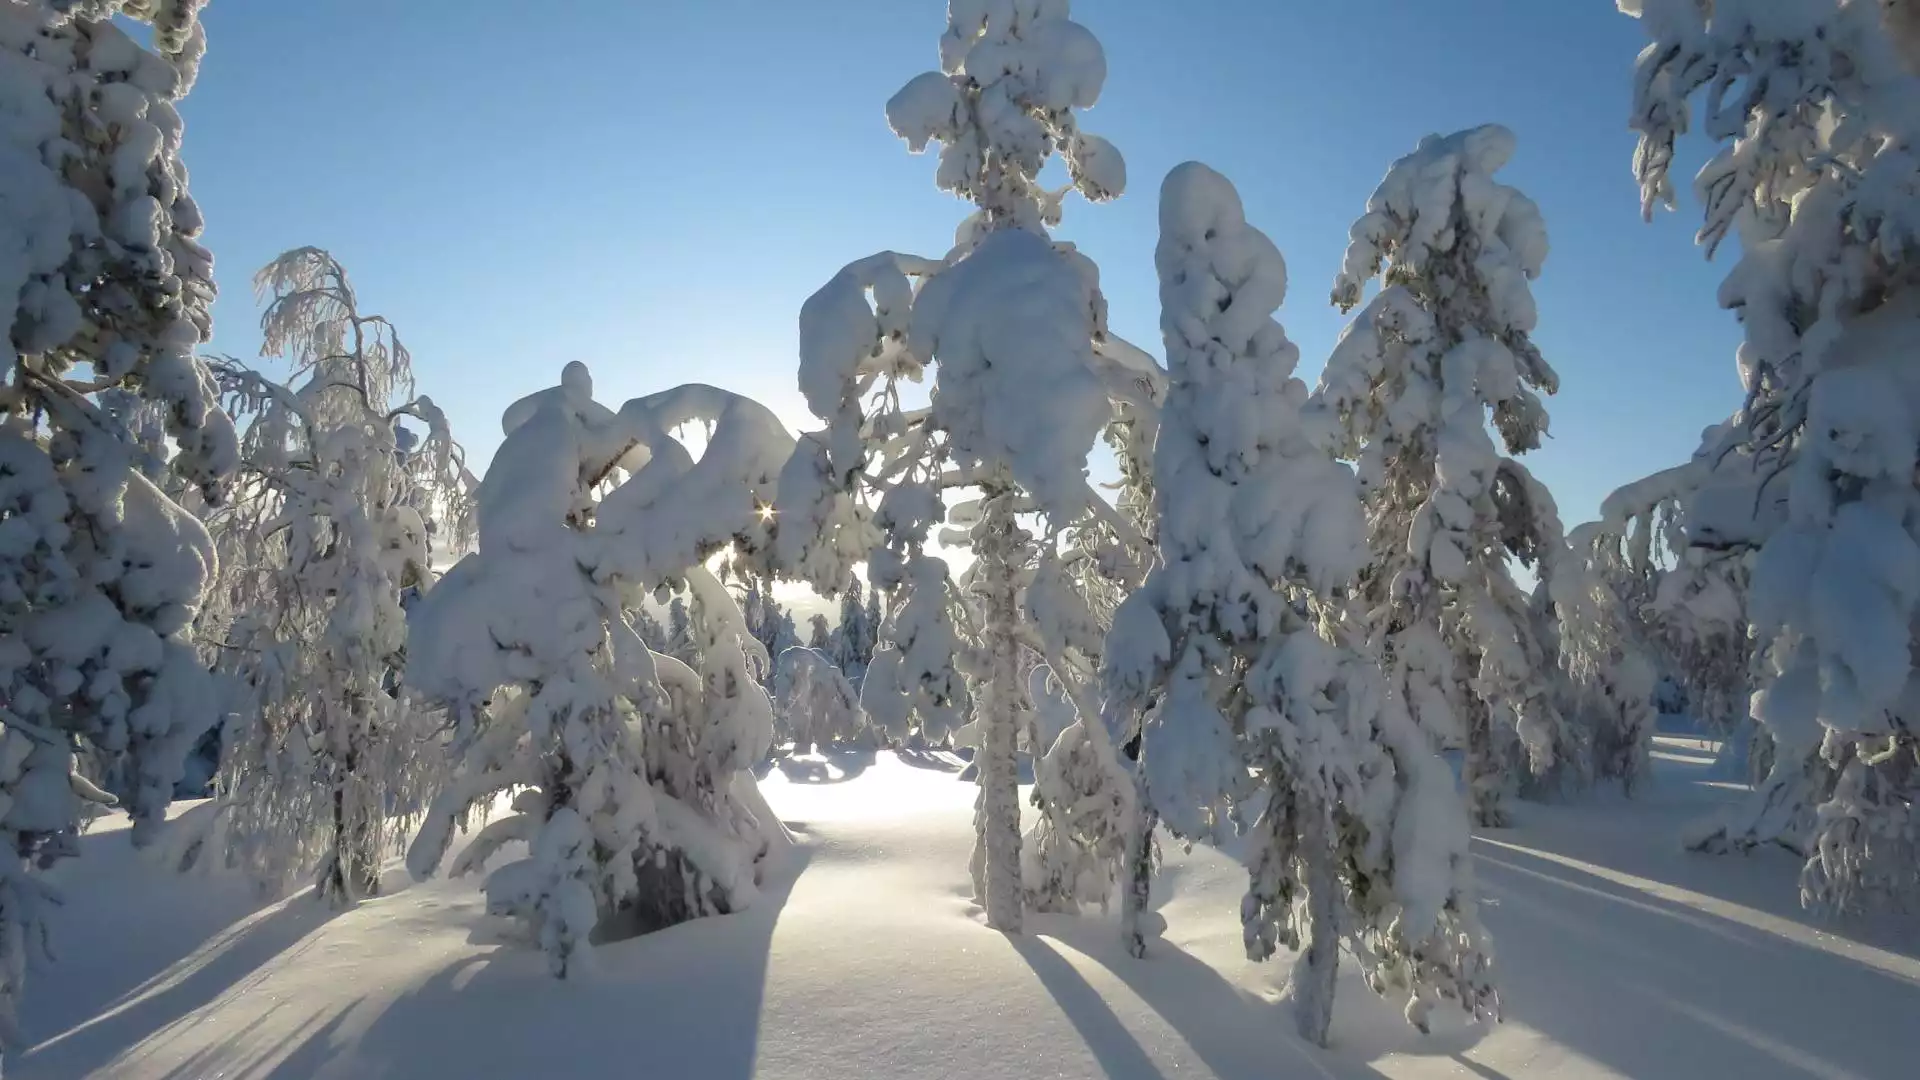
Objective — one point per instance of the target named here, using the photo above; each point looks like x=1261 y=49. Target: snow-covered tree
x=1677 y=545
x=329 y=526
x=1013 y=324
x=1053 y=710
x=875 y=618
x=101 y=570
x=630 y=767
x=1093 y=821
x=680 y=637
x=1260 y=700
x=1088 y=805
x=915 y=687
x=820 y=636
x=1407 y=394
x=754 y=608
x=814 y=700
x=1657 y=588
x=853 y=638
x=1591 y=599
x=653 y=634
x=769 y=624
x=1818 y=174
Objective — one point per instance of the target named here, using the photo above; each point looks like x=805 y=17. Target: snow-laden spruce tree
x=1088 y=805
x=1657 y=587
x=652 y=633
x=1817 y=105
x=1012 y=323
x=815 y=702
x=769 y=623
x=1407 y=393
x=629 y=766
x=680 y=643
x=1091 y=833
x=875 y=618
x=1593 y=601
x=853 y=638
x=1676 y=544
x=101 y=570
x=328 y=527
x=1015 y=325
x=915 y=688
x=1264 y=712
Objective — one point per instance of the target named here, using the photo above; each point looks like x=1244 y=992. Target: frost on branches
x=629 y=766
x=1025 y=384
x=101 y=571
x=1407 y=393
x=330 y=524
x=1260 y=713
x=1817 y=106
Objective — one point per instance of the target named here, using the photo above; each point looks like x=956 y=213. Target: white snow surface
x=1619 y=957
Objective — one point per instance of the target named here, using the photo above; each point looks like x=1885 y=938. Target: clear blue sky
x=655 y=187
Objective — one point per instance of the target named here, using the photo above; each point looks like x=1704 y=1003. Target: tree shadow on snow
x=1120 y=1055
x=1022 y=763
x=689 y=997
x=1636 y=837
x=100 y=956
x=830 y=766
x=1237 y=1034
x=302 y=1052
x=223 y=966
x=1648 y=979
x=935 y=760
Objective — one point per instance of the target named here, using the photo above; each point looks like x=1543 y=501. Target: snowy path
x=1621 y=958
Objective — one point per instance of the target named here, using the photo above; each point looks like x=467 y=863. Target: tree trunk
x=1137 y=919
x=1136 y=888
x=998 y=818
x=1760 y=753
x=363 y=831
x=977 y=861
x=333 y=872
x=565 y=952
x=352 y=869
x=1314 y=973
x=1485 y=779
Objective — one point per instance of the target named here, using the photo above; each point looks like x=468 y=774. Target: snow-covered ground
x=1620 y=956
